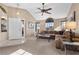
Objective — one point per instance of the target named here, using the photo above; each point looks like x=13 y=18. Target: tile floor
x=36 y=47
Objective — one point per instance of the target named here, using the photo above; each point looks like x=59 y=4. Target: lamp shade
x=71 y=25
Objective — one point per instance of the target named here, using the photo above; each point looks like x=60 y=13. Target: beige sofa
x=65 y=36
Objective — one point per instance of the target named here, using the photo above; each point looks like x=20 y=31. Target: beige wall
x=57 y=22
x=42 y=25
x=3 y=35
x=24 y=14
x=74 y=7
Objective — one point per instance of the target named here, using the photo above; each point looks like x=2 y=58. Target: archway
x=49 y=24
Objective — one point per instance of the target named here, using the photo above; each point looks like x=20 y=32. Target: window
x=50 y=24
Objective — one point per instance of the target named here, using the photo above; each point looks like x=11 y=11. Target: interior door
x=15 y=28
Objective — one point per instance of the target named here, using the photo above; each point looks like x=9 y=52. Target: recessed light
x=18 y=13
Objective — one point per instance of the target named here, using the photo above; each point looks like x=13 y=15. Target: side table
x=65 y=43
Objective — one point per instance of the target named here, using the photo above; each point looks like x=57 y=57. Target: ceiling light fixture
x=18 y=13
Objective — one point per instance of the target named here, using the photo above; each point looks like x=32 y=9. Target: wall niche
x=3 y=25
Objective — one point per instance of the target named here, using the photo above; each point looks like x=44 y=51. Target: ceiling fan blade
x=49 y=9
x=39 y=8
x=44 y=10
x=48 y=12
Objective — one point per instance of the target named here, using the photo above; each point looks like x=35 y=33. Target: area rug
x=20 y=52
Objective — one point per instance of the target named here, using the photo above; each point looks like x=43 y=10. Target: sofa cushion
x=76 y=39
x=76 y=35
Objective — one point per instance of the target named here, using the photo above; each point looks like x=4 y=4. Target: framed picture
x=30 y=25
x=3 y=25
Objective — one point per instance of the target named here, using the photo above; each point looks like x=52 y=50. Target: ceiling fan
x=43 y=10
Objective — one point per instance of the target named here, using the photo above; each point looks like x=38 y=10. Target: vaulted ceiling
x=59 y=10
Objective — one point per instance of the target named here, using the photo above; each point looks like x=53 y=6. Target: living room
x=41 y=29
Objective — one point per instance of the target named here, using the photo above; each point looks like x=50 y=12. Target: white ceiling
x=59 y=10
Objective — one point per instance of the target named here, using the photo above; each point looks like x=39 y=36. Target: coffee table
x=46 y=36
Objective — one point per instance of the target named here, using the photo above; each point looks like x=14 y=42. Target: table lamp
x=71 y=26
